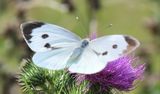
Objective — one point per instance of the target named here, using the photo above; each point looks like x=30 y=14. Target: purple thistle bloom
x=93 y=35
x=119 y=74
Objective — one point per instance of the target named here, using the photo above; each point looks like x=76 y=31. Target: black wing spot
x=44 y=36
x=28 y=27
x=47 y=45
x=114 y=46
x=105 y=53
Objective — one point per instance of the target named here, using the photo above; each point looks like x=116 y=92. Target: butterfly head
x=85 y=43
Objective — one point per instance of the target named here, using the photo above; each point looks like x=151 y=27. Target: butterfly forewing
x=42 y=37
x=109 y=48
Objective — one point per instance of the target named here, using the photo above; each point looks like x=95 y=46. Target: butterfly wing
x=54 y=60
x=102 y=50
x=42 y=37
x=87 y=63
x=109 y=48
x=53 y=44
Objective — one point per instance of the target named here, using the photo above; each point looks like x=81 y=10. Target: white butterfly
x=57 y=48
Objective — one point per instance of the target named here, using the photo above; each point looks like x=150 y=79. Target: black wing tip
x=131 y=41
x=30 y=25
x=27 y=28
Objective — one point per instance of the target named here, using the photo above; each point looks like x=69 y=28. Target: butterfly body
x=57 y=48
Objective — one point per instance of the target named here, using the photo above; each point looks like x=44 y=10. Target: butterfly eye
x=44 y=36
x=114 y=46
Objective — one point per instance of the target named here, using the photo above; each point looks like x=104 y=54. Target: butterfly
x=57 y=48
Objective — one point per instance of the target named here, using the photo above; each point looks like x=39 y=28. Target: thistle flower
x=119 y=74
x=36 y=80
x=93 y=35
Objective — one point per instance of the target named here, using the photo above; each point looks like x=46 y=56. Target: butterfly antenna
x=82 y=26
x=107 y=27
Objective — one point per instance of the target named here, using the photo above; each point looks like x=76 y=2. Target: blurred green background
x=139 y=18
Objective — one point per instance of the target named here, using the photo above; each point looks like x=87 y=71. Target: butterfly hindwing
x=109 y=48
x=42 y=37
x=87 y=63
x=54 y=60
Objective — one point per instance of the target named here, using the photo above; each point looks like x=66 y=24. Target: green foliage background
x=126 y=16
